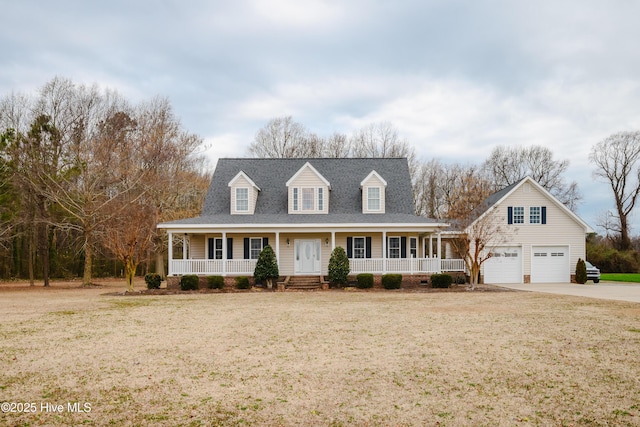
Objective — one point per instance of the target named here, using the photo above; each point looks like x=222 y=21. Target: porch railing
x=357 y=265
x=212 y=266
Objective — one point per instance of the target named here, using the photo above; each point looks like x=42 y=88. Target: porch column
x=333 y=240
x=384 y=252
x=438 y=254
x=431 y=245
x=184 y=247
x=224 y=253
x=170 y=245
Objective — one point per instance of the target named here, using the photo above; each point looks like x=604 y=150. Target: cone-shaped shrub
x=267 y=267
x=581 y=272
x=338 y=267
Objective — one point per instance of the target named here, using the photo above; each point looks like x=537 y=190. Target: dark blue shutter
x=368 y=247
x=403 y=247
x=544 y=214
x=510 y=215
x=349 y=247
x=265 y=242
x=246 y=248
x=229 y=247
x=211 y=252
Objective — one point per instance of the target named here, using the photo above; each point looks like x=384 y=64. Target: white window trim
x=313 y=199
x=379 y=199
x=238 y=199
x=389 y=248
x=521 y=220
x=539 y=215
x=364 y=247
x=251 y=240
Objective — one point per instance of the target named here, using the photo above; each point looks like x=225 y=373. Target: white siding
x=373 y=181
x=307 y=178
x=242 y=182
x=560 y=230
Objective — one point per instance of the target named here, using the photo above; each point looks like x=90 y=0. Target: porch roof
x=309 y=221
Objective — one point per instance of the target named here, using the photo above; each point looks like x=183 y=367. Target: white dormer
x=244 y=194
x=308 y=191
x=373 y=193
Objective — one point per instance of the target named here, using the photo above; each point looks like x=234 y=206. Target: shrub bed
x=190 y=282
x=215 y=282
x=364 y=280
x=391 y=281
x=153 y=280
x=242 y=282
x=441 y=281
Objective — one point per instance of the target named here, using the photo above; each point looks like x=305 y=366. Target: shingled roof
x=345 y=196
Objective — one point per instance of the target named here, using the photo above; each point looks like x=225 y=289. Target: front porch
x=209 y=267
x=376 y=252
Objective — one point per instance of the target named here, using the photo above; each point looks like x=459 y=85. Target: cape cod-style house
x=304 y=208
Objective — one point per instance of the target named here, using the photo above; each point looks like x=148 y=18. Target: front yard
x=317 y=358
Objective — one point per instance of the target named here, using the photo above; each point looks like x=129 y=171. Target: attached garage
x=504 y=266
x=550 y=264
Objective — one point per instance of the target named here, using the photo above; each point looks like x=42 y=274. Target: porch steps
x=303 y=283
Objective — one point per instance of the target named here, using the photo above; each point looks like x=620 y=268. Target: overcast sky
x=456 y=78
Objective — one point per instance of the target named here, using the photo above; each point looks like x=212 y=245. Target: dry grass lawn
x=331 y=358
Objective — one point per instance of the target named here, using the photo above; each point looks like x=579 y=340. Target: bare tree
x=616 y=159
x=480 y=226
x=508 y=165
x=280 y=138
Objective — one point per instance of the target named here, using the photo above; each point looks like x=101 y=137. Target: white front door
x=307 y=256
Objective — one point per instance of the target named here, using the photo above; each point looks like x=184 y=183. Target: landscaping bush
x=338 y=266
x=391 y=281
x=267 y=267
x=442 y=281
x=364 y=280
x=242 y=282
x=190 y=282
x=153 y=280
x=581 y=272
x=215 y=282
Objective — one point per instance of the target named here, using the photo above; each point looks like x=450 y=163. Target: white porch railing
x=357 y=265
x=404 y=265
x=212 y=267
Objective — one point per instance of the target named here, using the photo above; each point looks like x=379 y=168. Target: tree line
x=440 y=189
x=85 y=176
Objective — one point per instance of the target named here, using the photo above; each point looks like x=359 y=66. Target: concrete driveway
x=603 y=290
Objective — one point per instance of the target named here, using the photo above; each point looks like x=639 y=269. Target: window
x=534 y=215
x=518 y=215
x=373 y=198
x=242 y=199
x=215 y=248
x=295 y=199
x=255 y=247
x=307 y=199
x=413 y=247
x=320 y=199
x=358 y=247
x=394 y=247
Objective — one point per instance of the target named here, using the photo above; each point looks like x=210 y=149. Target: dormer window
x=373 y=198
x=242 y=199
x=373 y=193
x=308 y=191
x=244 y=194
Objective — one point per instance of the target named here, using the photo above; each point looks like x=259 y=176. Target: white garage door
x=504 y=266
x=550 y=264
